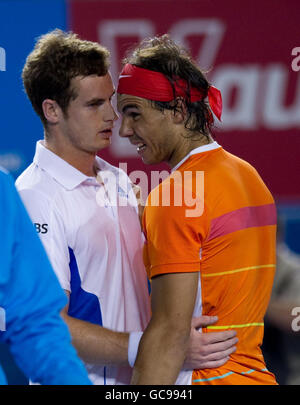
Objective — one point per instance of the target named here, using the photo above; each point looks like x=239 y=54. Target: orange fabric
x=232 y=244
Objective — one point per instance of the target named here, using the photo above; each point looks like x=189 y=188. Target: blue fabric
x=83 y=305
x=32 y=299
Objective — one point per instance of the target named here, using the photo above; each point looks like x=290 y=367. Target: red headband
x=152 y=85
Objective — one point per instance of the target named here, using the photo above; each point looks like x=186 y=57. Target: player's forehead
x=93 y=86
x=127 y=101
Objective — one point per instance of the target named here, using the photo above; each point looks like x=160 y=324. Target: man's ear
x=179 y=114
x=52 y=111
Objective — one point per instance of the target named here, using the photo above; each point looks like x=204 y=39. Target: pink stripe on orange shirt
x=246 y=217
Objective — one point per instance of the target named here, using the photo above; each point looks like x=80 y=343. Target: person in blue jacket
x=31 y=300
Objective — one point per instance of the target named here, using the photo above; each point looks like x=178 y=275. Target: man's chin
x=103 y=146
x=149 y=161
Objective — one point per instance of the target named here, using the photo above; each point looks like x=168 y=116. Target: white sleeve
x=133 y=345
x=50 y=227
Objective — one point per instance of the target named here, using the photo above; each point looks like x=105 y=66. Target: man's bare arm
x=165 y=341
x=95 y=344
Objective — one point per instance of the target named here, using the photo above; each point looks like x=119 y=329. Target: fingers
x=223 y=348
x=215 y=337
x=214 y=364
x=217 y=359
x=210 y=356
x=220 y=350
x=209 y=350
x=203 y=321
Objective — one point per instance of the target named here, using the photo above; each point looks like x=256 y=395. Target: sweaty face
x=150 y=130
x=90 y=117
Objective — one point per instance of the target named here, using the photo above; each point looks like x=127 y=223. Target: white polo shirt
x=94 y=244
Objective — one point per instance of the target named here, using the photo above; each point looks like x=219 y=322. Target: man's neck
x=185 y=148
x=83 y=161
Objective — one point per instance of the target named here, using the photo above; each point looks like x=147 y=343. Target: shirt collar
x=64 y=173
x=200 y=149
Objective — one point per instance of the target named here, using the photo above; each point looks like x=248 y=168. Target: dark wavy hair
x=56 y=59
x=162 y=54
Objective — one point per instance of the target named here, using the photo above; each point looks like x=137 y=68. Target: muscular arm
x=95 y=344
x=165 y=342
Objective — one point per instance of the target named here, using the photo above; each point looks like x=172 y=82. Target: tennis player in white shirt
x=94 y=244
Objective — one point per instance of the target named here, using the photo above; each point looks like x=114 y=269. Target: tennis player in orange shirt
x=209 y=227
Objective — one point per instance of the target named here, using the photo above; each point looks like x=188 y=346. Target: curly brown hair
x=162 y=54
x=56 y=59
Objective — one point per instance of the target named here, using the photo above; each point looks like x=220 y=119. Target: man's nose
x=111 y=114
x=125 y=128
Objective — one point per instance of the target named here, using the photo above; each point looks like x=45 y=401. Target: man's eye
x=95 y=104
x=134 y=115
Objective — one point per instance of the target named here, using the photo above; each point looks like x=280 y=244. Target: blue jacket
x=31 y=300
